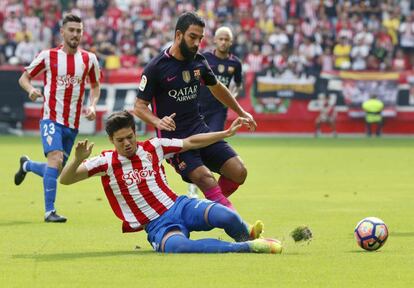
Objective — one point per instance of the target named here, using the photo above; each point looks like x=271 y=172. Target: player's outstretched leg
x=266 y=245
x=219 y=216
x=178 y=243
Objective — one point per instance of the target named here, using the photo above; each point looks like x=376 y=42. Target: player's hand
x=34 y=94
x=235 y=126
x=251 y=124
x=167 y=123
x=91 y=113
x=83 y=150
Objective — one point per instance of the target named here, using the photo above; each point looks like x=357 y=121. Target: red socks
x=227 y=186
x=215 y=194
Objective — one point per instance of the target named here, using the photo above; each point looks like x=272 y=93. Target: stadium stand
x=289 y=39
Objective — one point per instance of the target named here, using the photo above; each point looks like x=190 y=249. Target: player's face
x=223 y=42
x=71 y=33
x=125 y=142
x=190 y=41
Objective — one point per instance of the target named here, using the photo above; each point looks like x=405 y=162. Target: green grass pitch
x=328 y=184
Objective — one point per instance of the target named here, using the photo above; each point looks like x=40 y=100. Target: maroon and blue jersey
x=173 y=86
x=225 y=70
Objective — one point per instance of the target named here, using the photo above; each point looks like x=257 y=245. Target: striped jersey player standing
x=66 y=70
x=135 y=184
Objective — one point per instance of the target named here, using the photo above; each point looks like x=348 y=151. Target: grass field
x=328 y=184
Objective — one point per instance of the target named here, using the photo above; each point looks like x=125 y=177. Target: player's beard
x=73 y=44
x=186 y=51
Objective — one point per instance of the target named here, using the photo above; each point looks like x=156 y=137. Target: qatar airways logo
x=184 y=94
x=223 y=79
x=136 y=176
x=68 y=80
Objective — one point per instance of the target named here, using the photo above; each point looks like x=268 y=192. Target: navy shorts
x=57 y=137
x=216 y=119
x=186 y=215
x=212 y=156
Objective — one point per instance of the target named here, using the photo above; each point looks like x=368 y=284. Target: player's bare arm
x=224 y=96
x=25 y=83
x=205 y=139
x=142 y=111
x=75 y=171
x=95 y=94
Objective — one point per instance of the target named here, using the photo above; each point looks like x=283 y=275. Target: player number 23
x=48 y=129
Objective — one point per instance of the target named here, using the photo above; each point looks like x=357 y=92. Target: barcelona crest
x=186 y=76
x=220 y=68
x=197 y=74
x=230 y=69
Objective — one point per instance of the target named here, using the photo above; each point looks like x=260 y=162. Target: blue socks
x=222 y=217
x=36 y=167
x=50 y=176
x=178 y=243
x=49 y=185
x=218 y=217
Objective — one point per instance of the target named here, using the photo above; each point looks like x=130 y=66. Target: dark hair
x=71 y=18
x=188 y=18
x=119 y=120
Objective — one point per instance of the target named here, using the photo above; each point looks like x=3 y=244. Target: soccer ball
x=371 y=233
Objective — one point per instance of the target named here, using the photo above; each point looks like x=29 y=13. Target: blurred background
x=298 y=57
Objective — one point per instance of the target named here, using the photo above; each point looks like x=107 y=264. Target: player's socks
x=227 y=186
x=49 y=185
x=215 y=194
x=180 y=244
x=271 y=246
x=224 y=218
x=36 y=167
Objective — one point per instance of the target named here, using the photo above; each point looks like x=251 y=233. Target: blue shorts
x=186 y=215
x=215 y=119
x=212 y=156
x=57 y=137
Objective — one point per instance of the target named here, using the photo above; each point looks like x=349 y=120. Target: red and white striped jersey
x=136 y=187
x=65 y=77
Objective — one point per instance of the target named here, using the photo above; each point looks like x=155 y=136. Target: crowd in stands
x=282 y=37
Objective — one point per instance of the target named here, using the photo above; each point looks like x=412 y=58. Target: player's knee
x=55 y=159
x=240 y=174
x=203 y=179
x=177 y=244
x=225 y=217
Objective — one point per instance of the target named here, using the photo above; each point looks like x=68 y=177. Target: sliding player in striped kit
x=135 y=184
x=66 y=69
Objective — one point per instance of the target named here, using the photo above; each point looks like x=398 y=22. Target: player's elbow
x=139 y=108
x=23 y=79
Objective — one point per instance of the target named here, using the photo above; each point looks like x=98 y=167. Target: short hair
x=119 y=120
x=71 y=18
x=188 y=18
x=224 y=29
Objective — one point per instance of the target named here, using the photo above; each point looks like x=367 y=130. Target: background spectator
x=263 y=29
